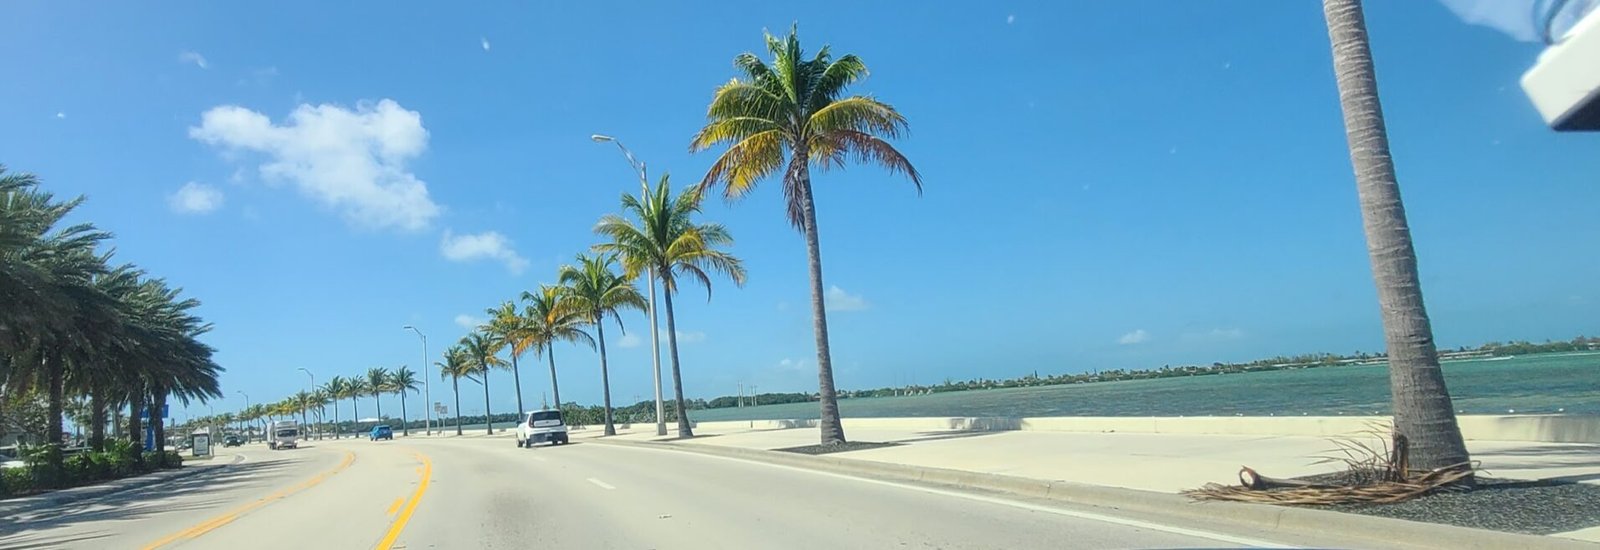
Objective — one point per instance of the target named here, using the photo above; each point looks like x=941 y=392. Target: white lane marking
x=601 y=484
x=1242 y=541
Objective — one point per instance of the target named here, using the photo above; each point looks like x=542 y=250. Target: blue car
x=381 y=431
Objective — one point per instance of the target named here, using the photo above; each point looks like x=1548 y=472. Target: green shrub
x=16 y=481
x=174 y=459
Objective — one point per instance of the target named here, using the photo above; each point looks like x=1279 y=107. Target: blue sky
x=1108 y=184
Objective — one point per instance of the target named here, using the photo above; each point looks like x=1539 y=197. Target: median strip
x=411 y=507
x=224 y=519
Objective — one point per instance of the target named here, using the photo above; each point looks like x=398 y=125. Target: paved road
x=486 y=493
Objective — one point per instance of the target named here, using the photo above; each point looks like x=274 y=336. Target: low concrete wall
x=1547 y=428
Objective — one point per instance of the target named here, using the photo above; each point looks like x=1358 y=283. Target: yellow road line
x=395 y=506
x=224 y=519
x=405 y=515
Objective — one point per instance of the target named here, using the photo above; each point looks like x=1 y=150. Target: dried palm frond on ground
x=1374 y=475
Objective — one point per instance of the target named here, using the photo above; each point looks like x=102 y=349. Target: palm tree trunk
x=455 y=387
x=57 y=401
x=97 y=419
x=378 y=402
x=336 y=419
x=303 y=422
x=158 y=425
x=555 y=388
x=404 y=429
x=135 y=422
x=832 y=428
x=605 y=377
x=1422 y=407
x=355 y=412
x=684 y=429
x=516 y=379
x=488 y=417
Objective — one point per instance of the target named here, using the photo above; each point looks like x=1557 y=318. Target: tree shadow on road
x=50 y=526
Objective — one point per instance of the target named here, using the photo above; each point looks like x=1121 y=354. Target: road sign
x=165 y=411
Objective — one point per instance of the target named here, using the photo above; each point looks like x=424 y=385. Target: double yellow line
x=411 y=505
x=224 y=519
x=389 y=537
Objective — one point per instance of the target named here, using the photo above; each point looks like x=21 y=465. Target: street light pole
x=655 y=346
x=427 y=395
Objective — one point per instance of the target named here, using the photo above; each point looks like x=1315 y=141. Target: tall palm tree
x=1422 y=408
x=510 y=332
x=594 y=290
x=549 y=323
x=302 y=403
x=336 y=388
x=377 y=385
x=785 y=117
x=456 y=364
x=319 y=406
x=403 y=381
x=667 y=241
x=354 y=392
x=483 y=348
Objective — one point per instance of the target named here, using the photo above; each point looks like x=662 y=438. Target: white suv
x=542 y=427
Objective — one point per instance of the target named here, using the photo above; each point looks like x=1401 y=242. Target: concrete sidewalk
x=1166 y=463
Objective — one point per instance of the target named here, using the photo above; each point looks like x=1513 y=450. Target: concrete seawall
x=1544 y=428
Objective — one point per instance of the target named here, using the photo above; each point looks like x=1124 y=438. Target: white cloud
x=488 y=245
x=1011 y=19
x=485 y=43
x=1507 y=16
x=260 y=77
x=1135 y=337
x=195 y=198
x=350 y=160
x=60 y=114
x=1213 y=335
x=839 y=300
x=791 y=365
x=629 y=340
x=691 y=337
x=468 y=322
x=193 y=57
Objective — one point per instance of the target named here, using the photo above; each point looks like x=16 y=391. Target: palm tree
x=594 y=291
x=550 y=323
x=794 y=107
x=377 y=384
x=510 y=331
x=1422 y=408
x=319 y=405
x=668 y=242
x=403 y=381
x=456 y=364
x=356 y=389
x=483 y=349
x=302 y=403
x=336 y=388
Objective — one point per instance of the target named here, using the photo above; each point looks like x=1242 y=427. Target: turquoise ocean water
x=1547 y=383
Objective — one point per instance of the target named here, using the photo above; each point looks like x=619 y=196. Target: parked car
x=232 y=440
x=542 y=427
x=381 y=431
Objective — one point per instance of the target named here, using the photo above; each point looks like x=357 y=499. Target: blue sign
x=165 y=410
x=149 y=437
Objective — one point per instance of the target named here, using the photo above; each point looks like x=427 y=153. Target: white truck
x=541 y=427
x=283 y=434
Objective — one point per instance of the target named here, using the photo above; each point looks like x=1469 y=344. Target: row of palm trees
x=315 y=404
x=781 y=118
x=655 y=236
x=77 y=324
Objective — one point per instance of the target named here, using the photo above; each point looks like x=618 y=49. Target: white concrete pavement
x=487 y=493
